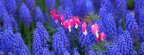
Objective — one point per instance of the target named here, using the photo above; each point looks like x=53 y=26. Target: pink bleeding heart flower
x=71 y=22
x=56 y=16
x=95 y=29
x=52 y=12
x=103 y=36
x=98 y=39
x=68 y=24
x=84 y=26
x=65 y=24
x=62 y=19
x=77 y=22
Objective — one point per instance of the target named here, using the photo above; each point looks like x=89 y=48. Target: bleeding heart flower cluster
x=75 y=21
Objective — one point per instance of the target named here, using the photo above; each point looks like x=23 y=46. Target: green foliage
x=91 y=17
x=122 y=21
x=99 y=47
x=130 y=3
x=41 y=4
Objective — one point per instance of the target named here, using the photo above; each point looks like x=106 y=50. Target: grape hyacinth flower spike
x=39 y=14
x=11 y=6
x=41 y=37
x=31 y=4
x=76 y=52
x=25 y=14
x=142 y=48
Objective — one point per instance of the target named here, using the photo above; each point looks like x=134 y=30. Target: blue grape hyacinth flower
x=67 y=4
x=142 y=48
x=79 y=5
x=3 y=10
x=108 y=5
x=131 y=24
x=120 y=30
x=92 y=52
x=60 y=41
x=137 y=9
x=39 y=15
x=14 y=22
x=110 y=25
x=89 y=6
x=25 y=15
x=68 y=12
x=113 y=49
x=122 y=45
x=30 y=4
x=41 y=37
x=102 y=13
x=50 y=4
x=76 y=52
x=10 y=53
x=43 y=51
x=9 y=21
x=13 y=43
x=18 y=3
x=11 y=6
x=20 y=46
x=121 y=7
x=141 y=19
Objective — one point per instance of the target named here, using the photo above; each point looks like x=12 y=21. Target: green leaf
x=100 y=47
x=95 y=17
x=91 y=17
x=88 y=18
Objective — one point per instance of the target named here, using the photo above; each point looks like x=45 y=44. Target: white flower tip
x=85 y=32
x=76 y=26
x=56 y=21
x=97 y=34
x=61 y=23
x=69 y=29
